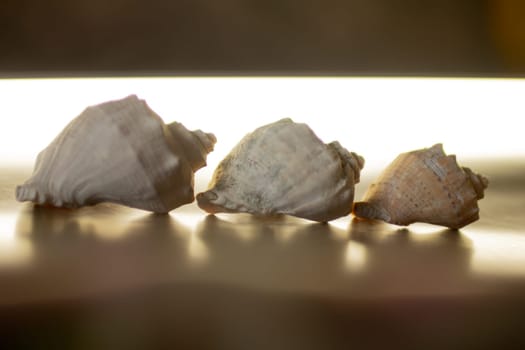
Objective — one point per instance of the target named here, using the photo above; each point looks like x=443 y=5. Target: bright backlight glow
x=375 y=117
x=497 y=252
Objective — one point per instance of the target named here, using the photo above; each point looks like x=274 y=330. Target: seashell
x=284 y=168
x=121 y=152
x=424 y=186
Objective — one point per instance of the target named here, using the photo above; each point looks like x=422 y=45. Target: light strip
x=376 y=117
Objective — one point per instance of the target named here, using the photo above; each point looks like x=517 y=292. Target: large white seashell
x=284 y=168
x=121 y=152
x=427 y=186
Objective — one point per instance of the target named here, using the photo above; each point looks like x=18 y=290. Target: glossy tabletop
x=107 y=276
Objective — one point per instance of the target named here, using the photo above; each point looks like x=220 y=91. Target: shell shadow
x=237 y=240
x=273 y=253
x=157 y=229
x=314 y=257
x=97 y=235
x=155 y=245
x=75 y=253
x=368 y=231
x=49 y=227
x=438 y=260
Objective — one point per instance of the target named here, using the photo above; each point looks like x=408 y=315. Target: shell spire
x=478 y=182
x=284 y=168
x=196 y=144
x=122 y=152
x=424 y=186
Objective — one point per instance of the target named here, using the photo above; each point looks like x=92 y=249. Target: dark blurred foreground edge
x=203 y=316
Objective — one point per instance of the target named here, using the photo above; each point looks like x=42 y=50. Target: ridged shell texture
x=122 y=152
x=424 y=186
x=284 y=168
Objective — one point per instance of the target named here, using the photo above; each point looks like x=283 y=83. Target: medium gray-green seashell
x=284 y=168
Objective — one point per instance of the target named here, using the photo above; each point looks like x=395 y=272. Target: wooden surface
x=109 y=276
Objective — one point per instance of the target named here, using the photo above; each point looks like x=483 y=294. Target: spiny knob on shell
x=478 y=182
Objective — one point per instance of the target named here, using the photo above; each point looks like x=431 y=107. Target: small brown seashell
x=424 y=186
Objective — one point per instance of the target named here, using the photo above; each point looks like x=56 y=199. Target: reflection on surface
x=497 y=252
x=224 y=282
x=415 y=263
x=13 y=250
x=310 y=258
x=197 y=250
x=356 y=256
x=77 y=252
x=110 y=247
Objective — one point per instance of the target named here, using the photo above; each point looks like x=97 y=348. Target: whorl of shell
x=424 y=186
x=121 y=152
x=284 y=168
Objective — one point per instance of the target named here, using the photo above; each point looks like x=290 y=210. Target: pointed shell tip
x=370 y=211
x=205 y=201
